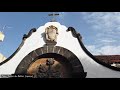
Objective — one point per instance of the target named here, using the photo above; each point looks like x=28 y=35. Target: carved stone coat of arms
x=51 y=33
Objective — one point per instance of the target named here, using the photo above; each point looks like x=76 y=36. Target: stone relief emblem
x=51 y=33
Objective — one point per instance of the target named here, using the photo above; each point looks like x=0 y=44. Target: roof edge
x=79 y=37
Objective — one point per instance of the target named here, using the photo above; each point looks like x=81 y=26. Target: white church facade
x=55 y=51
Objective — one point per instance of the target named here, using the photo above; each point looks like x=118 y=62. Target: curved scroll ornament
x=51 y=34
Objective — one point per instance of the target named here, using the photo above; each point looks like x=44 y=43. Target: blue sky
x=100 y=30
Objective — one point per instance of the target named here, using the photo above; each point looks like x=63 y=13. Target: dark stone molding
x=78 y=36
x=74 y=32
x=20 y=46
x=55 y=52
x=25 y=36
x=13 y=54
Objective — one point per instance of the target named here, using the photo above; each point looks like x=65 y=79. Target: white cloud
x=106 y=21
x=106 y=26
x=105 y=50
x=110 y=50
x=105 y=40
x=108 y=41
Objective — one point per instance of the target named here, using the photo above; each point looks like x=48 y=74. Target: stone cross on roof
x=53 y=16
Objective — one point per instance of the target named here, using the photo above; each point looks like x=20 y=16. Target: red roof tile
x=108 y=58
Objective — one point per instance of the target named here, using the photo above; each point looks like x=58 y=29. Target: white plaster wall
x=66 y=40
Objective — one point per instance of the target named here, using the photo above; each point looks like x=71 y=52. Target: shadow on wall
x=43 y=36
